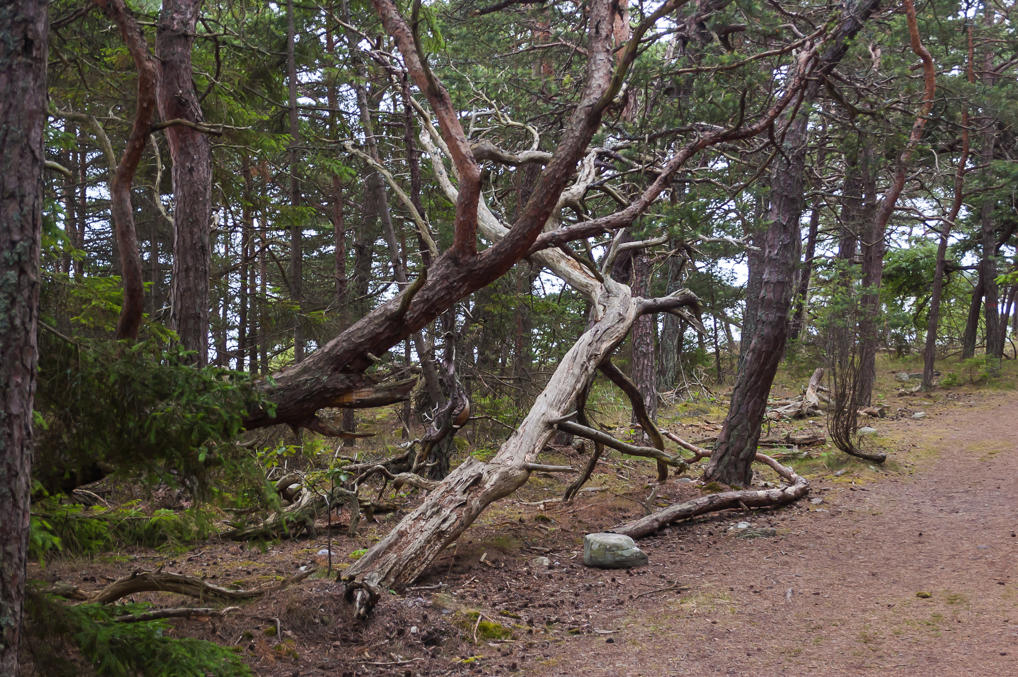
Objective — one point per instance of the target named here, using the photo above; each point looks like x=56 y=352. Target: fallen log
x=797 y=488
x=182 y=584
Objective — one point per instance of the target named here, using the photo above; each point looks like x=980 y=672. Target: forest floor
x=908 y=569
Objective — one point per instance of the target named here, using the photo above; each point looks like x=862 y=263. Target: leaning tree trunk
x=23 y=36
x=121 y=208
x=414 y=543
x=732 y=460
x=191 y=154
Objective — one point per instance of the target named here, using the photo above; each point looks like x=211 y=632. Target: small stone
x=540 y=562
x=901 y=376
x=612 y=551
x=743 y=525
x=919 y=415
x=816 y=501
x=324 y=552
x=867 y=430
x=413 y=630
x=839 y=473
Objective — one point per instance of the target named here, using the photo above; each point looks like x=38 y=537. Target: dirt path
x=909 y=575
x=912 y=571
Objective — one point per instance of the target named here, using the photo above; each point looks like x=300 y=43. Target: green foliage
x=112 y=647
x=74 y=529
x=142 y=407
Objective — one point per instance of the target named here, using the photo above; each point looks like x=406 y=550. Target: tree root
x=797 y=488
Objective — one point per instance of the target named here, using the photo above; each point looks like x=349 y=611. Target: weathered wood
x=451 y=507
x=726 y=500
x=661 y=456
x=181 y=584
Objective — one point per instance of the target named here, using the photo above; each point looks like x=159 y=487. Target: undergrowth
x=62 y=640
x=74 y=529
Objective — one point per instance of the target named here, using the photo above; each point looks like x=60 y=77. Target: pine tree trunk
x=644 y=364
x=969 y=338
x=191 y=154
x=296 y=225
x=732 y=459
x=23 y=52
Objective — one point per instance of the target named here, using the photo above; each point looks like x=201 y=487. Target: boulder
x=612 y=551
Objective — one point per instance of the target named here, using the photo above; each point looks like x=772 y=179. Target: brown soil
x=909 y=570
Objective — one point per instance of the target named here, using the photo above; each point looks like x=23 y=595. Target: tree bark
x=795 y=325
x=644 y=363
x=968 y=339
x=191 y=154
x=121 y=207
x=23 y=53
x=732 y=460
x=296 y=224
x=936 y=294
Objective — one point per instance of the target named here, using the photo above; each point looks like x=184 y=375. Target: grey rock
x=743 y=525
x=901 y=376
x=612 y=551
x=816 y=501
x=540 y=562
x=919 y=414
x=867 y=430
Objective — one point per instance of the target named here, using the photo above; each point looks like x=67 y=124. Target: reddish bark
x=120 y=187
x=191 y=154
x=873 y=254
x=338 y=366
x=23 y=50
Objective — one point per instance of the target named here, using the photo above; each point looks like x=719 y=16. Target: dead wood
x=797 y=488
x=299 y=517
x=659 y=455
x=181 y=584
x=808 y=404
x=177 y=612
x=640 y=411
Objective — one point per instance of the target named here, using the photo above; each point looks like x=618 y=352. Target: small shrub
x=60 y=638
